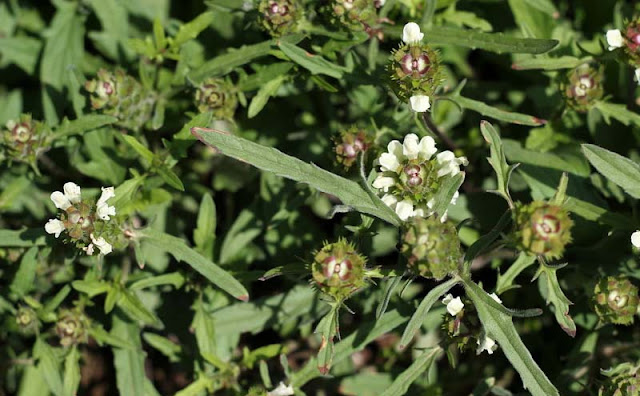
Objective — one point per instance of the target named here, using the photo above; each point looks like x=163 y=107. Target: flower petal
x=427 y=147
x=383 y=182
x=635 y=239
x=411 y=33
x=404 y=209
x=104 y=246
x=420 y=103
x=389 y=162
x=60 y=200
x=410 y=148
x=614 y=39
x=72 y=192
x=54 y=226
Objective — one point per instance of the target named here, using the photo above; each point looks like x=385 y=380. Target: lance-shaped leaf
x=618 y=112
x=71 y=380
x=494 y=112
x=23 y=238
x=419 y=316
x=495 y=42
x=446 y=192
x=401 y=384
x=563 y=62
x=312 y=62
x=620 y=170
x=498 y=160
x=273 y=160
x=505 y=281
x=553 y=294
x=499 y=327
x=179 y=249
x=328 y=329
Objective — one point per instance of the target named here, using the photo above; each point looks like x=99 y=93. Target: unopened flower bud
x=432 y=248
x=582 y=87
x=27 y=320
x=349 y=144
x=542 y=229
x=616 y=300
x=355 y=15
x=338 y=269
x=25 y=139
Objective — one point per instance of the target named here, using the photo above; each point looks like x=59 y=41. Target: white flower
x=454 y=305
x=60 y=200
x=104 y=246
x=88 y=249
x=635 y=239
x=383 y=183
x=390 y=200
x=103 y=209
x=487 y=344
x=404 y=209
x=637 y=72
x=614 y=39
x=72 y=192
x=420 y=103
x=411 y=33
x=54 y=226
x=583 y=84
x=281 y=390
x=449 y=164
x=389 y=162
x=495 y=298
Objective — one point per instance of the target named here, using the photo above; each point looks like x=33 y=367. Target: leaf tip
x=244 y=297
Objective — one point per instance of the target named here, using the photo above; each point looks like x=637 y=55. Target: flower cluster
x=85 y=224
x=432 y=247
x=349 y=144
x=338 y=269
x=627 y=39
x=280 y=17
x=415 y=69
x=582 y=87
x=25 y=139
x=616 y=300
x=462 y=325
x=542 y=228
x=216 y=95
x=122 y=96
x=410 y=175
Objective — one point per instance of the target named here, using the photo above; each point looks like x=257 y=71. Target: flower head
x=542 y=228
x=338 y=269
x=279 y=17
x=419 y=103
x=582 y=87
x=454 y=305
x=410 y=175
x=411 y=33
x=218 y=96
x=616 y=300
x=614 y=39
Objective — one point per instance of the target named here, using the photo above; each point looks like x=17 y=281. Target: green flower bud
x=616 y=300
x=414 y=70
x=632 y=41
x=432 y=248
x=122 y=96
x=27 y=320
x=582 y=87
x=72 y=328
x=355 y=15
x=542 y=229
x=280 y=17
x=25 y=139
x=624 y=380
x=218 y=96
x=349 y=144
x=338 y=269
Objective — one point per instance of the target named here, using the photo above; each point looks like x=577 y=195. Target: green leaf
x=23 y=238
x=22 y=51
x=91 y=287
x=125 y=192
x=618 y=112
x=389 y=287
x=498 y=160
x=103 y=337
x=418 y=318
x=49 y=366
x=312 y=62
x=54 y=302
x=135 y=309
x=204 y=330
x=493 y=112
x=223 y=64
x=192 y=29
x=495 y=42
x=129 y=364
x=568 y=159
x=203 y=385
x=83 y=124
x=179 y=249
x=620 y=170
x=505 y=281
x=184 y=139
x=499 y=326
x=204 y=235
x=168 y=348
x=328 y=329
x=24 y=279
x=401 y=384
x=445 y=193
x=264 y=93
x=175 y=279
x=273 y=160
x=71 y=380
x=141 y=149
x=264 y=75
x=170 y=177
x=13 y=191
x=553 y=294
x=562 y=62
